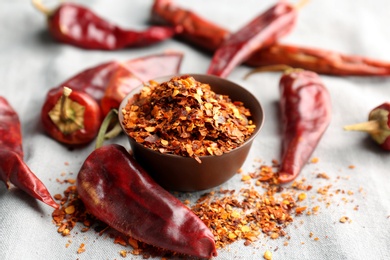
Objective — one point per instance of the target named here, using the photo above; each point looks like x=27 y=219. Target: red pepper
x=192 y=27
x=116 y=190
x=101 y=88
x=12 y=167
x=263 y=30
x=71 y=117
x=378 y=125
x=76 y=25
x=205 y=34
x=133 y=73
x=319 y=60
x=306 y=113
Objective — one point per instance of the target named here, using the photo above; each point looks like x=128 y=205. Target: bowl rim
x=137 y=89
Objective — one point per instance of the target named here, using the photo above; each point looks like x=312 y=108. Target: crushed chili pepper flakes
x=81 y=248
x=185 y=117
x=232 y=215
x=268 y=255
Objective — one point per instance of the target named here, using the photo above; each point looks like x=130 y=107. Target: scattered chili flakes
x=123 y=253
x=323 y=176
x=185 y=117
x=268 y=255
x=302 y=196
x=343 y=219
x=231 y=215
x=81 y=248
x=314 y=160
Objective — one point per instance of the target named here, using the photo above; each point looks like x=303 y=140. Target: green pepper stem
x=371 y=127
x=103 y=135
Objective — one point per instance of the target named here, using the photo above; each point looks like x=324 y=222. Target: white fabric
x=31 y=63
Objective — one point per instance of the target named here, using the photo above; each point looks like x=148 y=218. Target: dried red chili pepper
x=105 y=84
x=77 y=25
x=12 y=167
x=116 y=190
x=71 y=117
x=319 y=60
x=192 y=27
x=133 y=73
x=378 y=125
x=263 y=30
x=205 y=34
x=306 y=113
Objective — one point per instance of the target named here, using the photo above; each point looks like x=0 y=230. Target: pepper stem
x=64 y=103
x=67 y=114
x=103 y=134
x=372 y=127
x=40 y=7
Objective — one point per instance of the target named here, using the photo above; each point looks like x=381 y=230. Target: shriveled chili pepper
x=192 y=27
x=71 y=117
x=105 y=84
x=319 y=60
x=79 y=26
x=205 y=34
x=12 y=167
x=119 y=192
x=378 y=125
x=263 y=30
x=133 y=73
x=306 y=113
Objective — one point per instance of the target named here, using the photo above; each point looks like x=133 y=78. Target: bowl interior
x=181 y=173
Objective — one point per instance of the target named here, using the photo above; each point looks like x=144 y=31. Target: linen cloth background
x=31 y=63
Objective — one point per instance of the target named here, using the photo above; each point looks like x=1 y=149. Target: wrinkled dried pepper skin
x=12 y=167
x=77 y=25
x=92 y=81
x=120 y=193
x=10 y=131
x=262 y=31
x=306 y=113
x=319 y=60
x=192 y=27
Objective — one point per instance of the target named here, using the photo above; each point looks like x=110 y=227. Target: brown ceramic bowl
x=179 y=173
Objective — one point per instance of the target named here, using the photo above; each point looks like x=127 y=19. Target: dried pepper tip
x=67 y=114
x=378 y=125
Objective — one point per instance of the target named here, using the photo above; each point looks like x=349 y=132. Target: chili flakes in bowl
x=185 y=117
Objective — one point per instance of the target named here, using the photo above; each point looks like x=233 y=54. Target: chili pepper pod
x=263 y=30
x=12 y=167
x=77 y=25
x=319 y=60
x=378 y=125
x=305 y=107
x=71 y=117
x=10 y=131
x=116 y=190
x=193 y=28
x=133 y=73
